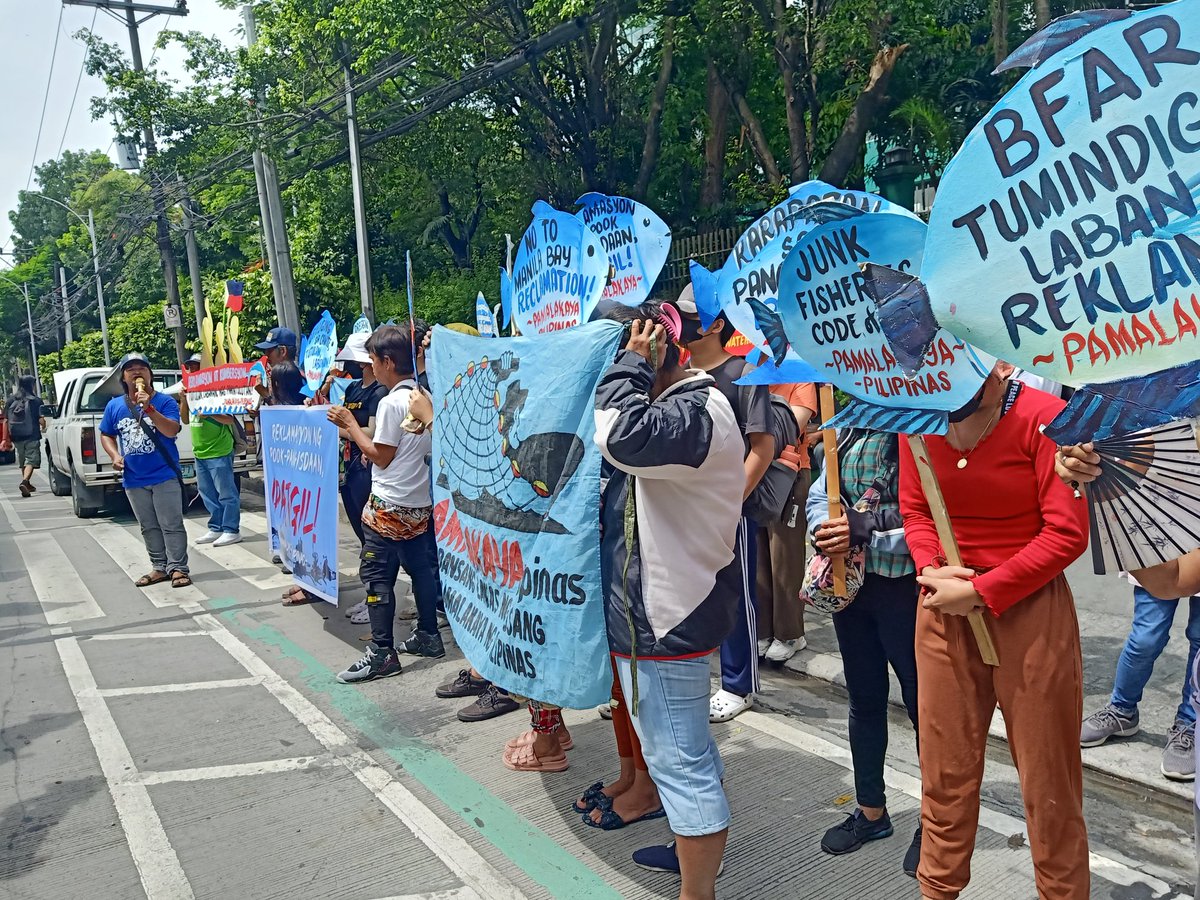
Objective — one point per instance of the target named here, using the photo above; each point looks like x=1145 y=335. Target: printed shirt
x=406 y=482
x=799 y=395
x=363 y=403
x=144 y=465
x=210 y=439
x=861 y=463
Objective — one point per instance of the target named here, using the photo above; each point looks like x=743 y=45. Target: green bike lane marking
x=524 y=844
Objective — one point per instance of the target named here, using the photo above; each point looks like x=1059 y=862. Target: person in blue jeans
x=671 y=576
x=1148 y=637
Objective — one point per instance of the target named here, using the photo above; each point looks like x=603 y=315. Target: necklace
x=964 y=457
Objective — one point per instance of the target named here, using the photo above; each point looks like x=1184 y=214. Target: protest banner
x=635 y=239
x=300 y=470
x=221 y=390
x=559 y=273
x=317 y=353
x=1063 y=235
x=362 y=325
x=485 y=319
x=831 y=321
x=516 y=490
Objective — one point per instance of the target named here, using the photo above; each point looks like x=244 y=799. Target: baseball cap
x=277 y=337
x=355 y=349
x=130 y=358
x=195 y=357
x=686 y=304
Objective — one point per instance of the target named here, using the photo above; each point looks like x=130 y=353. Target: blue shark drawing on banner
x=318 y=352
x=832 y=322
x=300 y=470
x=517 y=507
x=559 y=274
x=485 y=321
x=1065 y=237
x=362 y=325
x=636 y=240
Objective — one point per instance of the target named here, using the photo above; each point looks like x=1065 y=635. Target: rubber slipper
x=527 y=738
x=147 y=580
x=591 y=797
x=610 y=821
x=298 y=597
x=523 y=759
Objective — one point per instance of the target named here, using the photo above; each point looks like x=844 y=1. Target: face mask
x=690 y=332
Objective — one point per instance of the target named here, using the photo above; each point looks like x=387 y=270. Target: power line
x=75 y=95
x=45 y=99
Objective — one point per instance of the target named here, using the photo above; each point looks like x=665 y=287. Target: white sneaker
x=723 y=706
x=208 y=537
x=763 y=646
x=357 y=607
x=782 y=651
x=229 y=537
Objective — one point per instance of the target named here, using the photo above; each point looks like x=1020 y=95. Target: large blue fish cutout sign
x=559 y=274
x=635 y=239
x=1065 y=237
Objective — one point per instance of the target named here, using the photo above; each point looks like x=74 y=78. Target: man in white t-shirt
x=397 y=520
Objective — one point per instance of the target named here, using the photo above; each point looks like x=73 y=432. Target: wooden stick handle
x=833 y=482
x=941 y=520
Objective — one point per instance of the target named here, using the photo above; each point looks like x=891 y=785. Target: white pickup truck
x=76 y=462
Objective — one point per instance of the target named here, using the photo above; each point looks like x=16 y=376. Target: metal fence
x=709 y=248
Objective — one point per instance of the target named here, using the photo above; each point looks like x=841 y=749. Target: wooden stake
x=941 y=519
x=833 y=483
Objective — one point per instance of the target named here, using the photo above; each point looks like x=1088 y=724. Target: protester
x=782 y=546
x=1018 y=527
x=286 y=383
x=876 y=630
x=490 y=700
x=138 y=432
x=751 y=406
x=279 y=345
x=212 y=445
x=26 y=422
x=397 y=519
x=193 y=363
x=671 y=578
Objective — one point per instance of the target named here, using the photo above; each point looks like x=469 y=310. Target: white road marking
x=454 y=851
x=993 y=820
x=14 y=520
x=238 y=770
x=158 y=867
x=58 y=587
x=463 y=893
x=179 y=688
x=141 y=635
x=249 y=566
x=128 y=552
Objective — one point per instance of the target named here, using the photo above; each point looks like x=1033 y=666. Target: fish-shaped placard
x=635 y=239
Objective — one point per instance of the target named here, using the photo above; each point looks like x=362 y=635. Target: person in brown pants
x=1018 y=527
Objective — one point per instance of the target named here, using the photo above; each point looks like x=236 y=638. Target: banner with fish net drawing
x=516 y=491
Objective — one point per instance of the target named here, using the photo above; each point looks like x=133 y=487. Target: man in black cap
x=279 y=345
x=138 y=432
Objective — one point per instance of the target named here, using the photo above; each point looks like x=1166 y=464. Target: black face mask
x=970 y=406
x=352 y=368
x=690 y=332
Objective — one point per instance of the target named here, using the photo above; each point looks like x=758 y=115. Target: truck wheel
x=79 y=489
x=60 y=484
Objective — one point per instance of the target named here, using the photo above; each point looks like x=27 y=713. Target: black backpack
x=19 y=419
x=767 y=501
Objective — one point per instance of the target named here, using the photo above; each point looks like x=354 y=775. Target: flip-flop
x=591 y=797
x=523 y=759
x=147 y=580
x=610 y=821
x=527 y=738
x=297 y=597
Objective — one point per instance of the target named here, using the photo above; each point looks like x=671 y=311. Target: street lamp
x=24 y=286
x=90 y=224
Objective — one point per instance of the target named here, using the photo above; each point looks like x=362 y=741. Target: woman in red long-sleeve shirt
x=1018 y=527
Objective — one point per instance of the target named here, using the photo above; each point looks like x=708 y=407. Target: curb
x=1126 y=764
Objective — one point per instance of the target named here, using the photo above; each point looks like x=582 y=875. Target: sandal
x=591 y=797
x=180 y=579
x=523 y=759
x=611 y=821
x=527 y=738
x=155 y=577
x=297 y=597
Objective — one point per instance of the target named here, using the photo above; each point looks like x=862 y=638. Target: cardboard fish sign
x=362 y=325
x=635 y=239
x=320 y=347
x=831 y=319
x=484 y=320
x=559 y=273
x=1066 y=236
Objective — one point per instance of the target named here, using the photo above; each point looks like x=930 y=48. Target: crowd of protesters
x=694 y=444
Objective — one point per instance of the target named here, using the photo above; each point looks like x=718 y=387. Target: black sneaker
x=854 y=832
x=913 y=856
x=465 y=685
x=422 y=644
x=488 y=705
x=24 y=488
x=375 y=663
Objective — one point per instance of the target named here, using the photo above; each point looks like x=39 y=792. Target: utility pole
x=266 y=177
x=193 y=258
x=365 y=290
x=66 y=304
x=99 y=288
x=161 y=231
x=32 y=343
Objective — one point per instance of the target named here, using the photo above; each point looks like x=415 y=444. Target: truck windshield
x=93 y=401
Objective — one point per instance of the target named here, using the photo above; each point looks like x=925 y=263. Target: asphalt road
x=194 y=743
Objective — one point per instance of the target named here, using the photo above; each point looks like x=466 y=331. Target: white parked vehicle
x=76 y=462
